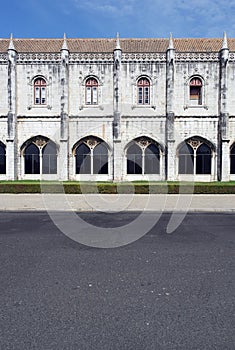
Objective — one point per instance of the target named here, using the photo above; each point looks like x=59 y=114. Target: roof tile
x=108 y=45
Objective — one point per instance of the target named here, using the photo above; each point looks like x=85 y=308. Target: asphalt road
x=162 y=292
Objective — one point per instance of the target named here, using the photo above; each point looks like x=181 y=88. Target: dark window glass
x=83 y=159
x=185 y=159
x=100 y=159
x=232 y=160
x=2 y=159
x=32 y=161
x=49 y=159
x=134 y=159
x=152 y=159
x=203 y=160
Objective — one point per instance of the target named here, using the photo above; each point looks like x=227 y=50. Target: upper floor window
x=195 y=91
x=40 y=91
x=143 y=87
x=91 y=91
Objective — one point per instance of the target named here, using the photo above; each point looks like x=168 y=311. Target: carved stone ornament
x=40 y=142
x=194 y=143
x=91 y=142
x=143 y=142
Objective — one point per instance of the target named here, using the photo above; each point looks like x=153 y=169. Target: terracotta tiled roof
x=108 y=45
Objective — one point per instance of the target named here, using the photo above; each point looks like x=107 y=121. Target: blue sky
x=131 y=18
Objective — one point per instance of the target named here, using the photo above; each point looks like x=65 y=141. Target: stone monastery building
x=117 y=109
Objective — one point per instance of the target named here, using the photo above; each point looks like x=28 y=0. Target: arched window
x=100 y=159
x=40 y=91
x=195 y=91
x=40 y=156
x=134 y=159
x=2 y=158
x=32 y=159
x=152 y=160
x=143 y=87
x=92 y=157
x=83 y=159
x=232 y=159
x=91 y=91
x=186 y=159
x=203 y=159
x=195 y=157
x=49 y=158
x=143 y=157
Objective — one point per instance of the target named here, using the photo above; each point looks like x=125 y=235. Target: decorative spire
x=65 y=46
x=225 y=42
x=171 y=44
x=118 y=47
x=11 y=44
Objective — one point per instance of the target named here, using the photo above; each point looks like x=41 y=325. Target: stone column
x=117 y=152
x=64 y=114
x=223 y=168
x=170 y=115
x=11 y=146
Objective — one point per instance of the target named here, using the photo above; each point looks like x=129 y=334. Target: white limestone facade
x=117 y=109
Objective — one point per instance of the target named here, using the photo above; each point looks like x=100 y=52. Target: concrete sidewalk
x=115 y=203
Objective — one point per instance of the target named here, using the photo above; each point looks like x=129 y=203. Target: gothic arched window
x=2 y=158
x=83 y=159
x=195 y=91
x=49 y=158
x=143 y=87
x=143 y=157
x=40 y=91
x=92 y=157
x=32 y=159
x=203 y=159
x=91 y=91
x=40 y=157
x=134 y=159
x=195 y=158
x=186 y=159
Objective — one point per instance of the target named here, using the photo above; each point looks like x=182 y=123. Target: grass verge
x=113 y=188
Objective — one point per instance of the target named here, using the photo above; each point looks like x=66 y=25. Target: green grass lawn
x=32 y=186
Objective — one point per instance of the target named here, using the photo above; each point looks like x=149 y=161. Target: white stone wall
x=209 y=74
x=136 y=121
x=25 y=89
x=3 y=90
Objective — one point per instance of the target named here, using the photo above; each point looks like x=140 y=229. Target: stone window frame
x=31 y=92
x=143 y=142
x=187 y=101
x=195 y=142
x=99 y=93
x=91 y=142
x=40 y=142
x=135 y=103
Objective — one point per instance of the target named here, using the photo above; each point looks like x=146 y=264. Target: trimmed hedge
x=113 y=188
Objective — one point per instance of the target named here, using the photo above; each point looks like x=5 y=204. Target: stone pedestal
x=171 y=158
x=63 y=161
x=117 y=161
x=11 y=164
x=225 y=165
